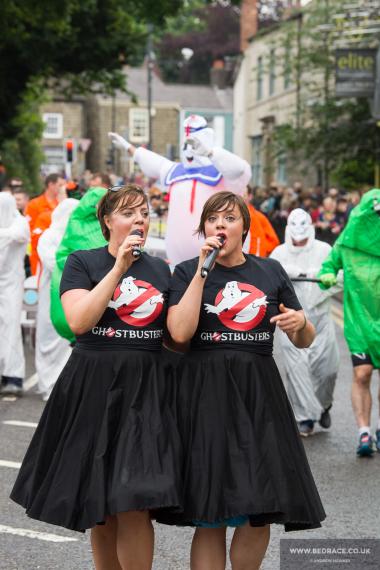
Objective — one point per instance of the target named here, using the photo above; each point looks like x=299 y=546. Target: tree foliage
x=211 y=31
x=337 y=135
x=81 y=43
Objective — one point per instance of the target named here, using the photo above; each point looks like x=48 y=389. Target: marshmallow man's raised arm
x=152 y=164
x=235 y=170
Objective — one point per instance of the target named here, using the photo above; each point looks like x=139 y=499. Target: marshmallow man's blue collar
x=207 y=174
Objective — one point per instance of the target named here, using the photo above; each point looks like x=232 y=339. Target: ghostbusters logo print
x=136 y=302
x=239 y=306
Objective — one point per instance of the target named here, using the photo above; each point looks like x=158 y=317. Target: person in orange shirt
x=46 y=202
x=263 y=238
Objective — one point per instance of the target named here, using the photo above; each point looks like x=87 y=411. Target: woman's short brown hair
x=221 y=201
x=121 y=198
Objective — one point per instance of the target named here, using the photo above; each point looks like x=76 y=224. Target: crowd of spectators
x=329 y=210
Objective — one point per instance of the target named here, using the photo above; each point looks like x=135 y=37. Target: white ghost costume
x=311 y=372
x=14 y=237
x=204 y=170
x=52 y=351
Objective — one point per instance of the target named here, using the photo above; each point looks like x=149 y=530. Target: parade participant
x=262 y=237
x=245 y=464
x=357 y=252
x=311 y=373
x=14 y=237
x=22 y=199
x=204 y=170
x=46 y=202
x=52 y=351
x=106 y=451
x=82 y=232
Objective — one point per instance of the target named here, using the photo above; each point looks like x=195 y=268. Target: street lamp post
x=150 y=66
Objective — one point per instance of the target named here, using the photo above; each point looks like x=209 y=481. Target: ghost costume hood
x=82 y=232
x=14 y=236
x=362 y=233
x=304 y=261
x=52 y=351
x=299 y=227
x=312 y=372
x=357 y=252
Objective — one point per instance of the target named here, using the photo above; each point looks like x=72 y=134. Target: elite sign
x=355 y=72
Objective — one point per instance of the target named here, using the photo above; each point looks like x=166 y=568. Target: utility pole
x=326 y=94
x=150 y=66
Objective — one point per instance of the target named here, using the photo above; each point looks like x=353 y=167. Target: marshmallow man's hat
x=198 y=124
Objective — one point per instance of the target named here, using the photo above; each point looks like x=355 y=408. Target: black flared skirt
x=107 y=441
x=243 y=454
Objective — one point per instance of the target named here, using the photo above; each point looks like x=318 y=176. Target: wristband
x=304 y=324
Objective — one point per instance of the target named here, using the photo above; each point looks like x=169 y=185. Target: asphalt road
x=349 y=488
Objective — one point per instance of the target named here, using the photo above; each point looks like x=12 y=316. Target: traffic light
x=69 y=150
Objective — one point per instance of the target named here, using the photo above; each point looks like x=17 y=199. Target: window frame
x=134 y=113
x=58 y=133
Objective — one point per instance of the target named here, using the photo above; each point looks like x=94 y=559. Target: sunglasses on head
x=115 y=188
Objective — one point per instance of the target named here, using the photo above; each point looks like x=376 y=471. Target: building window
x=281 y=169
x=260 y=73
x=256 y=152
x=138 y=125
x=272 y=72
x=53 y=125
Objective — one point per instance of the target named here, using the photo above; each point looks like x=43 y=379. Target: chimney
x=219 y=74
x=248 y=22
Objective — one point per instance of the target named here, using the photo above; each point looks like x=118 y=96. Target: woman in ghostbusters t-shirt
x=245 y=465
x=107 y=450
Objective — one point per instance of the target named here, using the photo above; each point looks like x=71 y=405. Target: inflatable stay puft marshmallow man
x=204 y=170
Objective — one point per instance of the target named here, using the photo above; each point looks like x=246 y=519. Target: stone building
x=86 y=121
x=266 y=95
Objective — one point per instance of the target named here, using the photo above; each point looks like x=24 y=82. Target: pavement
x=349 y=488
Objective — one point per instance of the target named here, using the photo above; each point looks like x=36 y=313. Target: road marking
x=12 y=464
x=35 y=534
x=18 y=423
x=30 y=382
x=8 y=399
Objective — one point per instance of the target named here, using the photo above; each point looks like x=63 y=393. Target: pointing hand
x=289 y=320
x=119 y=141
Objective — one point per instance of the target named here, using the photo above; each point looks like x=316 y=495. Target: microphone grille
x=136 y=233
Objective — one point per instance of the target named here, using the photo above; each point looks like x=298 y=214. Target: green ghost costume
x=357 y=252
x=82 y=232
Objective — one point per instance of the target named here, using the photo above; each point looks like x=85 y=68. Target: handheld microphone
x=210 y=259
x=136 y=249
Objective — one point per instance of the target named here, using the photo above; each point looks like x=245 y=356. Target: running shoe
x=365 y=447
x=325 y=419
x=378 y=440
x=306 y=428
x=11 y=390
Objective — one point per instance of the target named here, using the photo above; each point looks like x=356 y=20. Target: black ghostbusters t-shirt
x=238 y=303
x=136 y=314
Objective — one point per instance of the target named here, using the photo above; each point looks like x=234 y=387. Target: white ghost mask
x=300 y=225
